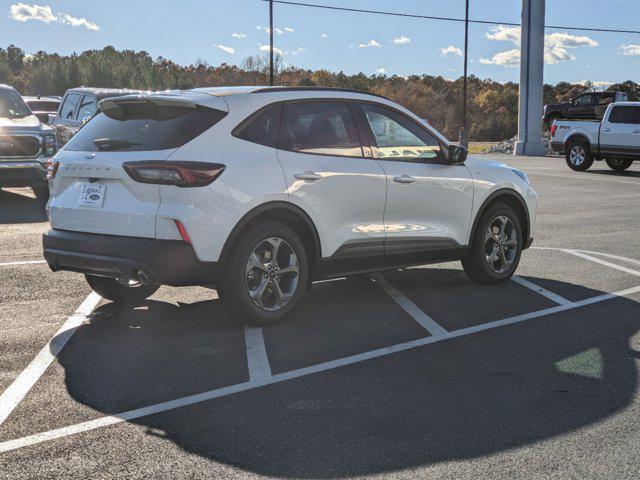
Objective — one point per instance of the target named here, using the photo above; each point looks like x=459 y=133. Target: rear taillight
x=52 y=168
x=50 y=146
x=554 y=127
x=180 y=174
x=183 y=231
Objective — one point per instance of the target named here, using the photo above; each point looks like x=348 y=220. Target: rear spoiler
x=185 y=101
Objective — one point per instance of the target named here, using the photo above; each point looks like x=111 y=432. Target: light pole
x=464 y=141
x=271 y=43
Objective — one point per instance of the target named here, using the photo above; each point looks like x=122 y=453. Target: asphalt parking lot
x=410 y=374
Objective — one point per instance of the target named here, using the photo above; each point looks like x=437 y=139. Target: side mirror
x=457 y=153
x=85 y=120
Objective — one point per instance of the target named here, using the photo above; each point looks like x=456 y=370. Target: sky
x=226 y=31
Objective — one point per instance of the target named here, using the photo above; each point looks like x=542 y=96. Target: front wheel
x=619 y=164
x=265 y=275
x=496 y=246
x=579 y=156
x=121 y=290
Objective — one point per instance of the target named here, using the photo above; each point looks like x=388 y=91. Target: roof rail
x=315 y=89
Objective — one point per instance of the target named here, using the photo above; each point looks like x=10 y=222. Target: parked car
x=615 y=139
x=78 y=106
x=259 y=191
x=26 y=145
x=45 y=108
x=589 y=105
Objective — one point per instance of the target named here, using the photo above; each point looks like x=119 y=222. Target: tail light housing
x=50 y=145
x=183 y=231
x=179 y=174
x=554 y=127
x=52 y=168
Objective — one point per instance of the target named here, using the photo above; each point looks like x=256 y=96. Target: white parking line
x=603 y=262
x=425 y=321
x=587 y=176
x=23 y=262
x=554 y=297
x=22 y=442
x=14 y=394
x=609 y=255
x=257 y=359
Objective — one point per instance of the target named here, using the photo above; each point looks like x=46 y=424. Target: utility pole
x=271 y=42
x=464 y=141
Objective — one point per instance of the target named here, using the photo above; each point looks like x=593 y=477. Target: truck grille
x=13 y=146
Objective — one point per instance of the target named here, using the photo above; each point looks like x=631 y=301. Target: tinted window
x=321 y=127
x=141 y=125
x=398 y=137
x=584 y=100
x=12 y=105
x=43 y=106
x=263 y=127
x=69 y=106
x=87 y=108
x=625 y=115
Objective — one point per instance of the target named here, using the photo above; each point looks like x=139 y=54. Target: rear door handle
x=606 y=129
x=308 y=176
x=636 y=131
x=404 y=179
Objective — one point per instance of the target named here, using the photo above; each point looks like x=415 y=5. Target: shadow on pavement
x=452 y=400
x=614 y=173
x=16 y=208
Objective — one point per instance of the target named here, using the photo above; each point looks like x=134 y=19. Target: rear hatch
x=92 y=192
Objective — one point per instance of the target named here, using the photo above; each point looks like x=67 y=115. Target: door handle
x=308 y=176
x=636 y=131
x=404 y=179
x=606 y=129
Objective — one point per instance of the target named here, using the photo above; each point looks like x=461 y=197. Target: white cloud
x=401 y=40
x=629 y=50
x=265 y=48
x=381 y=71
x=239 y=35
x=324 y=35
x=370 y=43
x=450 y=50
x=508 y=59
x=289 y=29
x=225 y=48
x=556 y=46
x=268 y=30
x=297 y=51
x=43 y=13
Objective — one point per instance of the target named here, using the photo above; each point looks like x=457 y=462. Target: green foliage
x=492 y=106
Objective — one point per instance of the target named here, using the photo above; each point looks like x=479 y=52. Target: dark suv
x=78 y=106
x=588 y=105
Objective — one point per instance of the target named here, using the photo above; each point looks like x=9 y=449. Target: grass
x=480 y=147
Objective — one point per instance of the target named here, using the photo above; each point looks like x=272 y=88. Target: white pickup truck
x=615 y=139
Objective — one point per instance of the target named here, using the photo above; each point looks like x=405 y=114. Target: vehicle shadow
x=16 y=208
x=451 y=400
x=613 y=173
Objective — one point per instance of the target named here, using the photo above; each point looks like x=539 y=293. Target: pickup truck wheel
x=265 y=275
x=579 y=156
x=496 y=246
x=619 y=164
x=41 y=193
x=121 y=291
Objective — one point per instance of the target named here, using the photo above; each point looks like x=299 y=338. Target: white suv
x=260 y=191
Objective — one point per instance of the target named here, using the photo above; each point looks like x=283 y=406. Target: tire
x=478 y=262
x=113 y=290
x=251 y=289
x=619 y=164
x=579 y=156
x=41 y=192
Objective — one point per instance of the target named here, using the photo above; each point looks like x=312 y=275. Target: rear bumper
x=22 y=173
x=557 y=147
x=167 y=262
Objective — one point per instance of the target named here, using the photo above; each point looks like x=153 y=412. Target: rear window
x=140 y=125
x=42 y=106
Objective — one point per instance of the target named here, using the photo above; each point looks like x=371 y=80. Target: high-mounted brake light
x=554 y=127
x=180 y=174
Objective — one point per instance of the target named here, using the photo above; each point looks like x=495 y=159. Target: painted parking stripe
x=257 y=360
x=609 y=255
x=22 y=442
x=554 y=297
x=24 y=262
x=14 y=394
x=586 y=176
x=425 y=321
x=603 y=262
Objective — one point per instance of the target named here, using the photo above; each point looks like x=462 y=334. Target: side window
x=399 y=138
x=69 y=106
x=325 y=128
x=87 y=107
x=263 y=127
x=623 y=115
x=584 y=100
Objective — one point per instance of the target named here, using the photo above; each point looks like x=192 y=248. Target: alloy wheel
x=501 y=244
x=577 y=155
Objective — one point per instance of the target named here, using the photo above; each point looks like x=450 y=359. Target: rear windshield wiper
x=113 y=143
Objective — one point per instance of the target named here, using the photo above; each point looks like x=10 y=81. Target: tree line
x=492 y=106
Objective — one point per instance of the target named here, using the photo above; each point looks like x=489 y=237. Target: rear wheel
x=496 y=246
x=41 y=192
x=266 y=274
x=579 y=156
x=121 y=290
x=619 y=164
